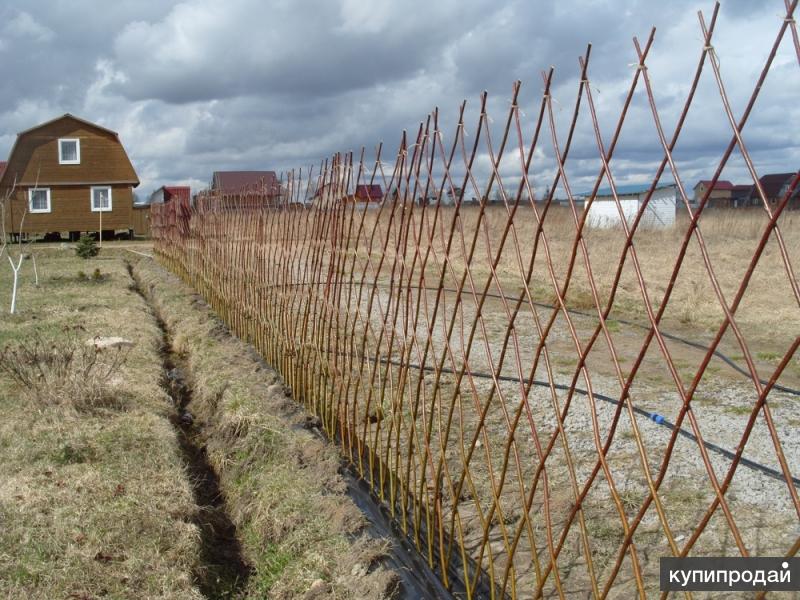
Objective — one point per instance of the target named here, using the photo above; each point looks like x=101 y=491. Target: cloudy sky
x=204 y=85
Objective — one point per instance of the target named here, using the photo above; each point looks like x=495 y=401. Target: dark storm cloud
x=206 y=49
x=202 y=85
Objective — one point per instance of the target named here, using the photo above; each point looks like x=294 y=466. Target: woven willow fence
x=544 y=407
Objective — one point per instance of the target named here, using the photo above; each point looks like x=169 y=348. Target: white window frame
x=30 y=200
x=91 y=198
x=61 y=159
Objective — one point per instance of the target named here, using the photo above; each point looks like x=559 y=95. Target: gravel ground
x=761 y=508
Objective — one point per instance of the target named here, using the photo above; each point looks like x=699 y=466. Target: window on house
x=39 y=200
x=101 y=199
x=69 y=151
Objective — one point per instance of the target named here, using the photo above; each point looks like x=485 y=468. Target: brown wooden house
x=68 y=175
x=245 y=188
x=718 y=197
x=776 y=186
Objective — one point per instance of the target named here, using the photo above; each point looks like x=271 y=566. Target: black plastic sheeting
x=417 y=579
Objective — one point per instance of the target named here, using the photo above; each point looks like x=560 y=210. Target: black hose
x=670 y=336
x=654 y=417
x=728 y=361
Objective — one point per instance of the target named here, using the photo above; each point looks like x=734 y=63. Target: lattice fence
x=545 y=407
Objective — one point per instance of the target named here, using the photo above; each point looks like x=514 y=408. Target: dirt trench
x=223 y=572
x=412 y=578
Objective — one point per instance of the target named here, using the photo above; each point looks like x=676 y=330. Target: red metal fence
x=544 y=407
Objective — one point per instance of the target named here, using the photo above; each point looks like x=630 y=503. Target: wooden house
x=366 y=195
x=246 y=188
x=718 y=197
x=370 y=192
x=68 y=175
x=775 y=187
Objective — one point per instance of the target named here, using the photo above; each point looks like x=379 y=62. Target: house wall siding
x=70 y=210
x=34 y=162
x=35 y=157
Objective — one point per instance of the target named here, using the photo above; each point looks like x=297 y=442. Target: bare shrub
x=65 y=372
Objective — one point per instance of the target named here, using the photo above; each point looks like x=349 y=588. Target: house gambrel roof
x=5 y=174
x=67 y=116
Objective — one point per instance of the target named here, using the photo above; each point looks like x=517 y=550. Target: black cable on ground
x=670 y=336
x=654 y=417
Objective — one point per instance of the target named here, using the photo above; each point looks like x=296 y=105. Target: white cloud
x=360 y=17
x=24 y=26
x=198 y=85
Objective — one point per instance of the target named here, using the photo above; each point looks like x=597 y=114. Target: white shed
x=660 y=211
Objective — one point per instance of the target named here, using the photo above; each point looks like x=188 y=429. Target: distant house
x=794 y=199
x=740 y=195
x=775 y=187
x=454 y=194
x=68 y=175
x=167 y=193
x=368 y=193
x=720 y=195
x=660 y=211
x=364 y=195
x=234 y=183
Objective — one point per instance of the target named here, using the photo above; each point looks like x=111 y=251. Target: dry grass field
x=93 y=496
x=98 y=491
x=346 y=304
x=731 y=237
x=768 y=318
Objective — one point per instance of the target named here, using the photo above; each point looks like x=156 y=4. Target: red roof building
x=369 y=193
x=718 y=197
x=167 y=193
x=775 y=186
x=722 y=184
x=177 y=192
x=238 y=182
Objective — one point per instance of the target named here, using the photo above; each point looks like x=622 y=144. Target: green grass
x=769 y=356
x=739 y=410
x=92 y=503
x=272 y=562
x=281 y=482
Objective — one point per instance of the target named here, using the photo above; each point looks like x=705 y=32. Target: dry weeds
x=730 y=235
x=68 y=371
x=299 y=531
x=92 y=503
